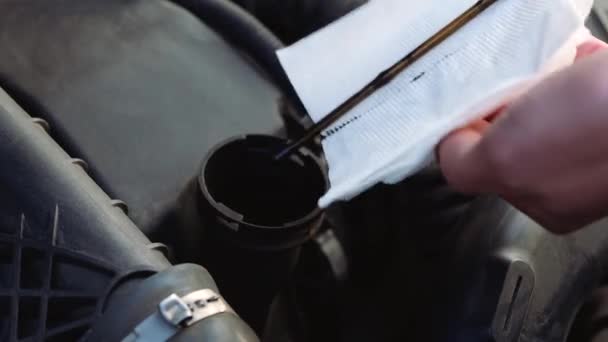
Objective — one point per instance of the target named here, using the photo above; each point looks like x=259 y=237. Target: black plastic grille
x=47 y=293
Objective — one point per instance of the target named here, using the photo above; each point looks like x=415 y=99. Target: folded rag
x=393 y=133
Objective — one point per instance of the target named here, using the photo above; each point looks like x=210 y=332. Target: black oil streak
x=335 y=130
x=418 y=77
x=330 y=132
x=434 y=66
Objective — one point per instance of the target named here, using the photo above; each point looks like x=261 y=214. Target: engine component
x=254 y=213
x=140 y=89
x=179 y=304
x=67 y=251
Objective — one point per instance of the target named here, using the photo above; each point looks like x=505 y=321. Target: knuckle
x=592 y=84
x=502 y=159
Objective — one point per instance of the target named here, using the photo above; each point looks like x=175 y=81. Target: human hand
x=547 y=152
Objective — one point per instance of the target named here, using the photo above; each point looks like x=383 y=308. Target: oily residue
x=338 y=128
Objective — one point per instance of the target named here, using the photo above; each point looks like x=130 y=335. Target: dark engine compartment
x=142 y=90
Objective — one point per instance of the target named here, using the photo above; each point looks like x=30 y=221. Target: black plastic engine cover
x=139 y=89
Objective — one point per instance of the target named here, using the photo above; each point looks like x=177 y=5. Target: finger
x=548 y=128
x=457 y=159
x=564 y=103
x=476 y=161
x=480 y=126
x=590 y=47
x=496 y=114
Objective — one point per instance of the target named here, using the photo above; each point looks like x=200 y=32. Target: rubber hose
x=133 y=302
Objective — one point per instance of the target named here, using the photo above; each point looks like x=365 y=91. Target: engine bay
x=130 y=139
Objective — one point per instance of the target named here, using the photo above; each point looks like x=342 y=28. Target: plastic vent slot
x=46 y=292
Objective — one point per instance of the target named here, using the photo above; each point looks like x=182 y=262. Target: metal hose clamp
x=175 y=313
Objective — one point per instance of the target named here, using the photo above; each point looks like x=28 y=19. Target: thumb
x=461 y=161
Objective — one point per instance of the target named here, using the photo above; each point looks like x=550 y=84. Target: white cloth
x=393 y=133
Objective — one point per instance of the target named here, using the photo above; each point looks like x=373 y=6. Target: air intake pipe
x=71 y=260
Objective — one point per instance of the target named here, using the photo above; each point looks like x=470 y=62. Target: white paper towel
x=393 y=133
